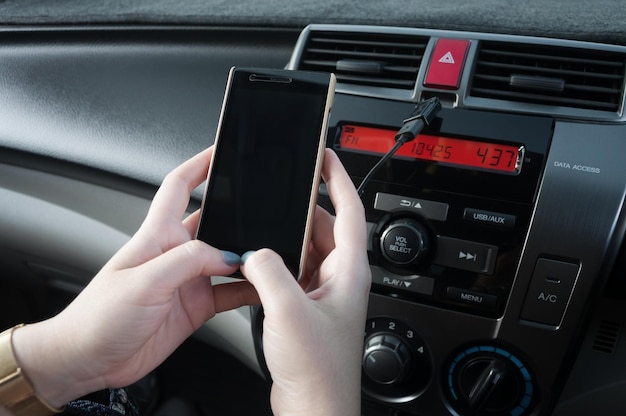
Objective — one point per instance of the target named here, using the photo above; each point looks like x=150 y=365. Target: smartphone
x=263 y=180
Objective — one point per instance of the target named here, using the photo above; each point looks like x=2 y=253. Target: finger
x=276 y=287
x=183 y=263
x=350 y=226
x=312 y=282
x=172 y=198
x=323 y=235
x=152 y=240
x=233 y=295
x=191 y=223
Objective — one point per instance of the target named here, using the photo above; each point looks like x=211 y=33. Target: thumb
x=185 y=262
x=276 y=286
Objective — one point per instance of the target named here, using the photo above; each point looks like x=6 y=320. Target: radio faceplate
x=440 y=234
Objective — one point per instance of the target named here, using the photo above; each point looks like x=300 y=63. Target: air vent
x=550 y=75
x=372 y=59
x=606 y=337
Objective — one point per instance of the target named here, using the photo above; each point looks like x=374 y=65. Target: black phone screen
x=260 y=183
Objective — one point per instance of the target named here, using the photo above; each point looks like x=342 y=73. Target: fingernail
x=246 y=255
x=231 y=258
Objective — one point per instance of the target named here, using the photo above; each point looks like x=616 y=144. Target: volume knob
x=404 y=242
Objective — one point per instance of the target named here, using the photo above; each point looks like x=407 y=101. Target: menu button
x=472 y=297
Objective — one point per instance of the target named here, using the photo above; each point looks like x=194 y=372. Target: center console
x=493 y=233
x=481 y=275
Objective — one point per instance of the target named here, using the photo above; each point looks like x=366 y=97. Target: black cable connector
x=423 y=114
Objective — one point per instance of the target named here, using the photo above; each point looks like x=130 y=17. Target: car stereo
x=448 y=217
x=449 y=212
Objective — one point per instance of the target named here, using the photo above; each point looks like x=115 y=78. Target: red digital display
x=456 y=152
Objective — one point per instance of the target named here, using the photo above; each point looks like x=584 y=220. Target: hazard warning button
x=446 y=64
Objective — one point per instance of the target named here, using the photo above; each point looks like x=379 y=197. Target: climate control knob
x=386 y=359
x=488 y=380
x=404 y=242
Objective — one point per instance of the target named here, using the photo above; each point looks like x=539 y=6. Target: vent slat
x=505 y=81
x=607 y=336
x=398 y=56
x=366 y=55
x=331 y=65
x=543 y=99
x=592 y=80
x=549 y=71
x=397 y=83
x=337 y=41
x=549 y=58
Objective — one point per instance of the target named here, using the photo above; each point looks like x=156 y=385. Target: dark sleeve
x=113 y=402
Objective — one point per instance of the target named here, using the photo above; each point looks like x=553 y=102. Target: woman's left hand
x=140 y=307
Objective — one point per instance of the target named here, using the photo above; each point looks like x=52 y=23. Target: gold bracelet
x=16 y=393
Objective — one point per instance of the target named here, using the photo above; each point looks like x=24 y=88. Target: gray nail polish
x=231 y=258
x=246 y=255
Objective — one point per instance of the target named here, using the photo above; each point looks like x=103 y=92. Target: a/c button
x=549 y=292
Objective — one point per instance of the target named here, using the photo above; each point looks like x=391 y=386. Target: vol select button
x=403 y=242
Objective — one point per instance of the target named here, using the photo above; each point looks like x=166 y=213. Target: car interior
x=496 y=237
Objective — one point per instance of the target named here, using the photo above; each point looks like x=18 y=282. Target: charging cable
x=423 y=114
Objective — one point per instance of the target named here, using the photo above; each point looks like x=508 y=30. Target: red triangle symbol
x=447 y=58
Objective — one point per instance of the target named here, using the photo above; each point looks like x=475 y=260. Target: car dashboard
x=496 y=237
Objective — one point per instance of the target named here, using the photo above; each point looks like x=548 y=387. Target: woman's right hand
x=313 y=339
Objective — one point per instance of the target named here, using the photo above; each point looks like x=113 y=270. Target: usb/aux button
x=478 y=216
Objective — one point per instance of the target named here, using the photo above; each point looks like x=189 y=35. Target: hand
x=143 y=303
x=313 y=339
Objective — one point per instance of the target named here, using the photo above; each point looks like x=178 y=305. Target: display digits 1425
x=451 y=151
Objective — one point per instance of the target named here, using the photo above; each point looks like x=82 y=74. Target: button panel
x=423 y=249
